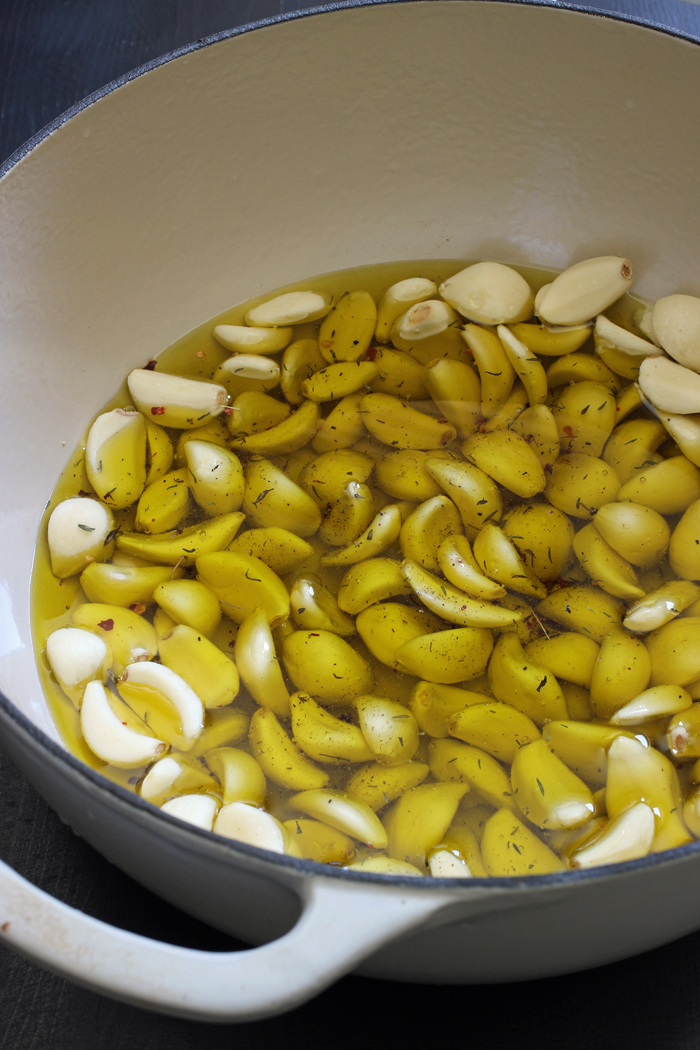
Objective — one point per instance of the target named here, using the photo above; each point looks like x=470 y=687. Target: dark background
x=52 y=54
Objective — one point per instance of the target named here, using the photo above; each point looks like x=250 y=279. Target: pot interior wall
x=399 y=131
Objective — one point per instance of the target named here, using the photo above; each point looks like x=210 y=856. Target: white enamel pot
x=518 y=132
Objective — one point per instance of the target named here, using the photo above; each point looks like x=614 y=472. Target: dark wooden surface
x=53 y=53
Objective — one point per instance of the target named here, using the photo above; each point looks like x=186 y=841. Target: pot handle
x=342 y=922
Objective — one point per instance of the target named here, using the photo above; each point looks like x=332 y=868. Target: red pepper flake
x=463 y=608
x=314 y=636
x=157 y=410
x=228 y=411
x=548 y=468
x=82 y=492
x=201 y=354
x=106 y=625
x=232 y=644
x=371 y=354
x=138 y=608
x=123 y=723
x=150 y=366
x=569 y=431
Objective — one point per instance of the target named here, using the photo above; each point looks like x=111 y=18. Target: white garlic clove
x=183 y=698
x=379 y=864
x=199 y=810
x=242 y=339
x=627 y=837
x=611 y=336
x=160 y=777
x=290 y=308
x=174 y=401
x=585 y=290
x=77 y=657
x=399 y=298
x=669 y=386
x=676 y=323
x=78 y=533
x=257 y=827
x=446 y=865
x=489 y=293
x=425 y=319
x=109 y=738
x=250 y=366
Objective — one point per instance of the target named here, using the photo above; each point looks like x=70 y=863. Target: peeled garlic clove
x=314 y=606
x=199 y=810
x=159 y=452
x=379 y=864
x=426 y=319
x=115 y=457
x=348 y=329
x=246 y=823
x=258 y=665
x=80 y=531
x=175 y=689
x=676 y=324
x=658 y=702
x=174 y=401
x=489 y=293
x=77 y=657
x=611 y=336
x=443 y=864
x=160 y=777
x=341 y=811
x=216 y=478
x=249 y=366
x=662 y=605
x=191 y=603
x=398 y=299
x=669 y=386
x=585 y=290
x=110 y=739
x=627 y=837
x=290 y=308
x=211 y=673
x=240 y=776
x=242 y=339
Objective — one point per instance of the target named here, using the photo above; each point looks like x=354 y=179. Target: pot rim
x=39 y=740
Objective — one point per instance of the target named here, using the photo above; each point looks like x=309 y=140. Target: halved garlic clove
x=399 y=298
x=79 y=532
x=77 y=657
x=676 y=324
x=115 y=456
x=242 y=339
x=290 y=308
x=199 y=810
x=109 y=738
x=584 y=290
x=669 y=386
x=184 y=699
x=489 y=293
x=246 y=823
x=174 y=401
x=627 y=837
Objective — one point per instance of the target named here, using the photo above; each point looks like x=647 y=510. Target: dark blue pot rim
x=27 y=728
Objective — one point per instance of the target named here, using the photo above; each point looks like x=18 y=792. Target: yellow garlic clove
x=459 y=566
x=632 y=446
x=434 y=705
x=543 y=537
x=183 y=547
x=342 y=427
x=641 y=774
x=472 y=491
x=325 y=738
x=585 y=609
x=508 y=459
x=685 y=431
x=378 y=784
x=539 y=428
x=215 y=432
x=606 y=567
x=314 y=606
x=527 y=686
x=508 y=411
x=80 y=531
x=241 y=339
x=549 y=342
x=429 y=525
x=675 y=653
x=163 y=504
x=280 y=758
x=447 y=656
x=683 y=550
x=250 y=824
x=379 y=864
x=191 y=603
x=584 y=290
x=350 y=815
x=215 y=477
x=159 y=452
x=388 y=625
x=691 y=813
x=378 y=537
x=626 y=837
x=77 y=657
x=242 y=584
x=399 y=298
x=621 y=350
x=496 y=373
x=489 y=293
x=661 y=606
x=499 y=560
x=253 y=412
x=319 y=842
x=585 y=414
x=451 y=760
x=222 y=728
x=622 y=671
x=146 y=676
x=291 y=434
x=569 y=656
x=397 y=424
x=240 y=776
x=496 y=728
x=122 y=584
x=668 y=487
x=391 y=732
x=453 y=605
x=629 y=399
x=577 y=368
x=281 y=550
x=300 y=361
x=370 y=582
x=271 y=499
x=676 y=324
x=526 y=365
x=509 y=848
x=248 y=372
x=398 y=373
x=111 y=740
x=658 y=702
x=257 y=662
x=171 y=776
x=174 y=401
x=583 y=746
x=189 y=653
x=324 y=665
x=456 y=390
x=115 y=457
x=128 y=635
x=669 y=387
x=339 y=380
x=637 y=533
x=579 y=485
x=324 y=478
x=347 y=330
x=546 y=791
x=420 y=819
x=290 y=308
